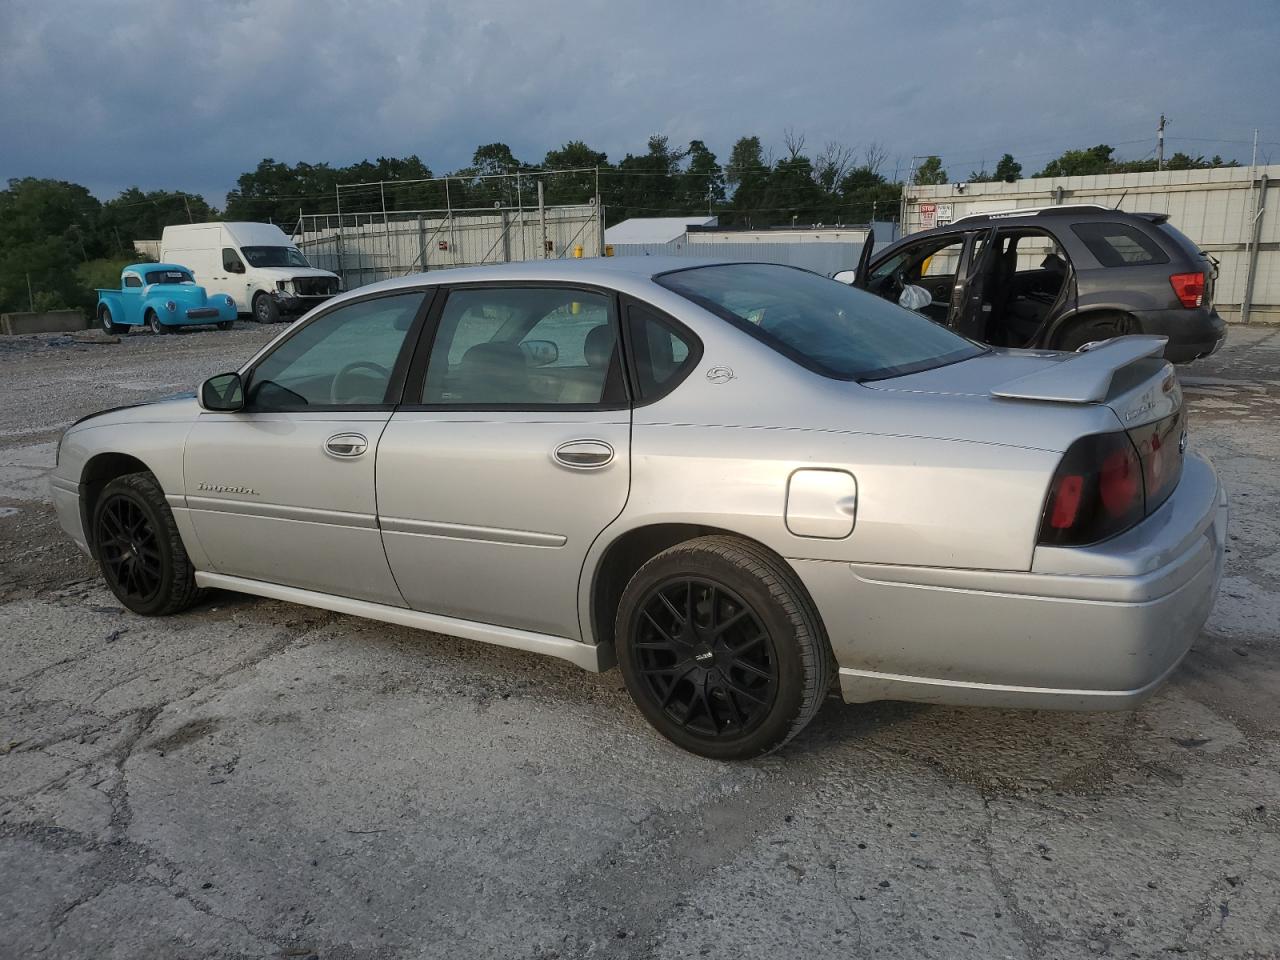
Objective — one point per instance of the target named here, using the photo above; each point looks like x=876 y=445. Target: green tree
x=47 y=227
x=579 y=186
x=1081 y=163
x=930 y=172
x=747 y=174
x=142 y=215
x=701 y=186
x=1008 y=169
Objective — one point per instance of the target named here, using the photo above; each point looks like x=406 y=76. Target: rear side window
x=1119 y=244
x=831 y=329
x=663 y=354
x=131 y=281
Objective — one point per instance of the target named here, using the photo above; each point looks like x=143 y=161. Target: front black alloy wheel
x=137 y=545
x=721 y=648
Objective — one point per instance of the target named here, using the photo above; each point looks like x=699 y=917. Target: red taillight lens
x=1096 y=493
x=1064 y=501
x=1120 y=481
x=1189 y=288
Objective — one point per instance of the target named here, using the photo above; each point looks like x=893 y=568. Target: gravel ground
x=254 y=779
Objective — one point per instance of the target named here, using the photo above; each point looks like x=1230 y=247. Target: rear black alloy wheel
x=721 y=649
x=704 y=657
x=137 y=545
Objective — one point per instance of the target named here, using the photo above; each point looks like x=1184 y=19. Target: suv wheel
x=721 y=649
x=137 y=545
x=1089 y=329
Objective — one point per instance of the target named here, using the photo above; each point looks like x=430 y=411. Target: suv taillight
x=1108 y=482
x=1189 y=288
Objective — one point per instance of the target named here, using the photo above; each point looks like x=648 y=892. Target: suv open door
x=970 y=309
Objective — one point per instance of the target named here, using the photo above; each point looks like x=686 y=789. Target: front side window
x=231 y=261
x=1119 y=244
x=342 y=358
x=826 y=326
x=525 y=347
x=132 y=280
x=274 y=257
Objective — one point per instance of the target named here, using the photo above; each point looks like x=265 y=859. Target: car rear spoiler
x=1084 y=377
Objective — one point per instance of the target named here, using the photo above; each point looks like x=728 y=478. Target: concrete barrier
x=50 y=321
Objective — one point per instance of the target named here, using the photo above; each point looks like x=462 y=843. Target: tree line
x=58 y=241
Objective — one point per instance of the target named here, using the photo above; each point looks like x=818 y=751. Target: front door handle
x=584 y=454
x=346 y=445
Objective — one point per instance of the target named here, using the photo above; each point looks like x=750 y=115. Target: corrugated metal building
x=1231 y=212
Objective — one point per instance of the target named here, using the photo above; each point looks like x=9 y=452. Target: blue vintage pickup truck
x=161 y=296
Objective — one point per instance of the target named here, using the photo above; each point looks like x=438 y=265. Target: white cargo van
x=253 y=263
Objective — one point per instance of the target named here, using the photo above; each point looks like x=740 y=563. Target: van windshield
x=274 y=257
x=821 y=324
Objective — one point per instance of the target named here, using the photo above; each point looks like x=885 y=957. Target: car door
x=509 y=456
x=283 y=490
x=968 y=301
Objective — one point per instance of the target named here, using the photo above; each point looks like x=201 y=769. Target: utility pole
x=1160 y=143
x=190 y=219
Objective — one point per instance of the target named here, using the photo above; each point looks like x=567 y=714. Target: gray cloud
x=188 y=95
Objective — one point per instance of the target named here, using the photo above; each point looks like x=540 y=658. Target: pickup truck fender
x=112 y=300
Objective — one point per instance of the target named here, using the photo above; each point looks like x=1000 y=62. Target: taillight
x=1189 y=288
x=1096 y=493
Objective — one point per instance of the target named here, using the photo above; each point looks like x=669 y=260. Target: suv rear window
x=1119 y=244
x=821 y=324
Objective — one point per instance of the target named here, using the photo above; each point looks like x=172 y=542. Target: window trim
x=691 y=339
x=415 y=379
x=399 y=369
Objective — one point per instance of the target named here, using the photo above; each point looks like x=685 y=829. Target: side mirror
x=845 y=276
x=540 y=353
x=223 y=393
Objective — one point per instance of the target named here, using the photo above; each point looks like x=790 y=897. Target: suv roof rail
x=1061 y=208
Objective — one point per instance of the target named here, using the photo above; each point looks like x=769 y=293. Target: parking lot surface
x=254 y=779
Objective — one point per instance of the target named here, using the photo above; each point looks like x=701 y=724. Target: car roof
x=600 y=270
x=145 y=267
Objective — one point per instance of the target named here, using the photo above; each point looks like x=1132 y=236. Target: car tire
x=1089 y=329
x=139 y=550
x=154 y=324
x=265 y=310
x=108 y=325
x=226 y=324
x=721 y=648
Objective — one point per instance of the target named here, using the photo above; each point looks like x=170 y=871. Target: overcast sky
x=189 y=95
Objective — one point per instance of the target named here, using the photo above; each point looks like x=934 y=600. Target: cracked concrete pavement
x=254 y=779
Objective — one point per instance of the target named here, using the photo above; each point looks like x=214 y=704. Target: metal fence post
x=1251 y=269
x=542 y=220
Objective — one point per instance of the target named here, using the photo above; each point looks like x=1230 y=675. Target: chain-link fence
x=370 y=235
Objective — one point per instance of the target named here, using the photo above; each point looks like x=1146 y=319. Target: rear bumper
x=1087 y=629
x=1192 y=333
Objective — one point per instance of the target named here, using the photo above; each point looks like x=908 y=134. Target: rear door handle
x=346 y=445
x=584 y=454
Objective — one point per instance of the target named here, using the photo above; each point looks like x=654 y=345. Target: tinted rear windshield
x=1119 y=244
x=821 y=324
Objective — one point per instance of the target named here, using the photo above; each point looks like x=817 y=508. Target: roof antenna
x=1121 y=200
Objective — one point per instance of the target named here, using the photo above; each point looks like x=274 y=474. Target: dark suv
x=1056 y=277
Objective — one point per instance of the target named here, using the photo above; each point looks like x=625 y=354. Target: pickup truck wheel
x=265 y=309
x=108 y=325
x=721 y=648
x=154 y=324
x=137 y=545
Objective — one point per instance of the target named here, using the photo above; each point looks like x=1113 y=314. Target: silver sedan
x=732 y=480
